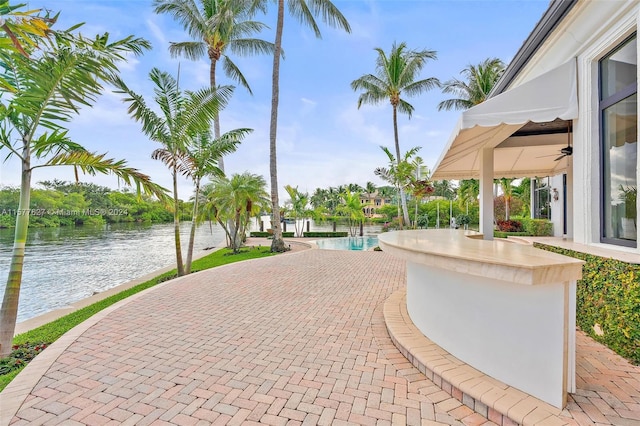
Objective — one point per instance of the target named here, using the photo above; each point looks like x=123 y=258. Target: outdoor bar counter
x=504 y=308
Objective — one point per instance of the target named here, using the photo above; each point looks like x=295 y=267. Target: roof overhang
x=527 y=126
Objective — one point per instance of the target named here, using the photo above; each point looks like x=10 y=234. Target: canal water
x=67 y=264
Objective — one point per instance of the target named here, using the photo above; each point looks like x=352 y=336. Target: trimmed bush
x=537 y=227
x=608 y=302
x=259 y=234
x=325 y=234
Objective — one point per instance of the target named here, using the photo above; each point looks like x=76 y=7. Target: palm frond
x=193 y=50
x=92 y=163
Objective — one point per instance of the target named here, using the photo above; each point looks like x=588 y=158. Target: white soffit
x=494 y=123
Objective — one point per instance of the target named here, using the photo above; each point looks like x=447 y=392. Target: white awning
x=507 y=123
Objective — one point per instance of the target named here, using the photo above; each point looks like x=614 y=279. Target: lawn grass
x=50 y=332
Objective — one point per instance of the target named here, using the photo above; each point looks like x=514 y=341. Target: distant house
x=372 y=202
x=565 y=113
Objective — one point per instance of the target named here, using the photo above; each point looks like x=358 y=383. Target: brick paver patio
x=293 y=339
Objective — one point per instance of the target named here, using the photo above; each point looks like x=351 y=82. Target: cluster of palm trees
x=396 y=77
x=218 y=26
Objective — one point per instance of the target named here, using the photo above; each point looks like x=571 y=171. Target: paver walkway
x=292 y=339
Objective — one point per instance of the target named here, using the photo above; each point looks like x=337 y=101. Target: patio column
x=486 y=193
x=569 y=200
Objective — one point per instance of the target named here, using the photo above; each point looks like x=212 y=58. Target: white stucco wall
x=590 y=31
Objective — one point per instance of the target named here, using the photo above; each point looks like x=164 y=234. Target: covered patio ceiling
x=526 y=127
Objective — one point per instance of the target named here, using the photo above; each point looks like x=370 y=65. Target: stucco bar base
x=504 y=309
x=495 y=400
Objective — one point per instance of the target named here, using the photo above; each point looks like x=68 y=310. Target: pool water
x=348 y=243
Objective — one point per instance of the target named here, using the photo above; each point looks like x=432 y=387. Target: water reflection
x=64 y=265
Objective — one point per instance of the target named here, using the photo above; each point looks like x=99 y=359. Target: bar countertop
x=465 y=252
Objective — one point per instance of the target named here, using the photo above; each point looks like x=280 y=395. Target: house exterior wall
x=589 y=32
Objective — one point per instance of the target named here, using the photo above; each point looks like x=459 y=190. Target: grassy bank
x=29 y=344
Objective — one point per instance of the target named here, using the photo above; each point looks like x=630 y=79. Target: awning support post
x=486 y=193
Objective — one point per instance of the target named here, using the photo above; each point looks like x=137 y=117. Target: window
x=541 y=199
x=619 y=144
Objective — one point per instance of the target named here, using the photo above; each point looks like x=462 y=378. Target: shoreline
x=42 y=319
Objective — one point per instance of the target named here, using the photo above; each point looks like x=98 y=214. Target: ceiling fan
x=567 y=150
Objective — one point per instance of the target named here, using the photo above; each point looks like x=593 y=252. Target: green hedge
x=537 y=227
x=608 y=295
x=259 y=234
x=326 y=234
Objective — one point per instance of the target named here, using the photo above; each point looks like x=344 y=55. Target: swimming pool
x=348 y=243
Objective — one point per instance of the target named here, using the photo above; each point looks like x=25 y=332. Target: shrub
x=265 y=234
x=537 y=227
x=608 y=299
x=325 y=234
x=509 y=226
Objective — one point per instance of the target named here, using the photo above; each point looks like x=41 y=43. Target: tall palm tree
x=395 y=76
x=200 y=160
x=183 y=116
x=68 y=73
x=237 y=199
x=217 y=27
x=469 y=190
x=304 y=11
x=479 y=80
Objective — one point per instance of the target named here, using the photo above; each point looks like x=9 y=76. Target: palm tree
x=200 y=160
x=22 y=32
x=217 y=26
x=396 y=75
x=480 y=79
x=305 y=11
x=468 y=190
x=398 y=173
x=507 y=192
x=351 y=208
x=523 y=193
x=68 y=73
x=236 y=200
x=299 y=205
x=183 y=116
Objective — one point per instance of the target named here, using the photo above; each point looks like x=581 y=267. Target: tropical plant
x=22 y=32
x=236 y=201
x=217 y=27
x=468 y=190
x=67 y=73
x=507 y=193
x=183 y=116
x=351 y=208
x=479 y=80
x=394 y=77
x=305 y=11
x=522 y=191
x=399 y=173
x=200 y=160
x=299 y=202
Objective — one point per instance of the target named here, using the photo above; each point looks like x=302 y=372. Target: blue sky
x=323 y=138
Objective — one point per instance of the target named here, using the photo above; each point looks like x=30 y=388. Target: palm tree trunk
x=403 y=196
x=192 y=232
x=277 y=245
x=176 y=225
x=9 y=310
